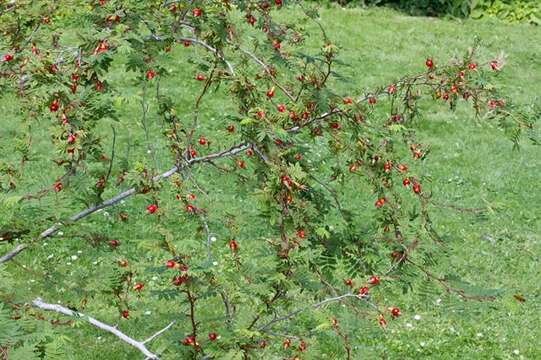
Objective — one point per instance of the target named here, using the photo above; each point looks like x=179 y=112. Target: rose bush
x=242 y=245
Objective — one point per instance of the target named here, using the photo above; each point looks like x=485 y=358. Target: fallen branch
x=139 y=345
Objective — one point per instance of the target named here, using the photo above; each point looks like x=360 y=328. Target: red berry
x=114 y=243
x=416 y=188
x=391 y=89
x=270 y=93
x=125 y=314
x=372 y=100
x=395 y=312
x=494 y=65
x=241 y=164
x=250 y=19
x=151 y=209
x=298 y=156
x=396 y=117
x=429 y=63
x=374 y=280
x=170 y=264
x=8 y=57
x=189 y=341
x=406 y=182
x=99 y=86
x=53 y=69
x=233 y=245
x=335 y=125
x=54 y=106
x=381 y=321
x=472 y=66
x=138 y=286
x=302 y=346
x=353 y=167
x=348 y=282
x=278 y=2
x=260 y=114
x=249 y=152
x=200 y=77
x=190 y=208
x=301 y=234
x=387 y=166
x=150 y=74
x=196 y=12
x=180 y=279
x=230 y=128
x=122 y=263
x=202 y=141
x=276 y=44
x=281 y=108
x=57 y=186
x=402 y=168
x=186 y=43
x=71 y=139
x=102 y=46
x=363 y=292
x=262 y=344
x=213 y=336
x=293 y=116
x=286 y=344
x=380 y=202
x=347 y=101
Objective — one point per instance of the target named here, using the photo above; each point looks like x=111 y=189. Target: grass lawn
x=472 y=165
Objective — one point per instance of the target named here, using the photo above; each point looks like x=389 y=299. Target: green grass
x=472 y=165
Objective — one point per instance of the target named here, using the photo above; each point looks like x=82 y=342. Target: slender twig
x=301 y=309
x=152 y=337
x=269 y=72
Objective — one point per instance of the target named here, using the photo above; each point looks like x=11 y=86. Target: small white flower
x=79 y=251
x=417 y=317
x=438 y=301
x=516 y=352
x=105 y=213
x=32 y=280
x=215 y=263
x=50 y=257
x=213 y=238
x=74 y=257
x=479 y=335
x=409 y=325
x=148 y=312
x=68 y=263
x=154 y=278
x=45 y=244
x=423 y=344
x=99 y=337
x=95 y=263
x=60 y=233
x=149 y=151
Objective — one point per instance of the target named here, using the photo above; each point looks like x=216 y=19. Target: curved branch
x=39 y=303
x=112 y=201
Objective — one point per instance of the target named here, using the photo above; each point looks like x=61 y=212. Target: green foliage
x=524 y=11
x=257 y=235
